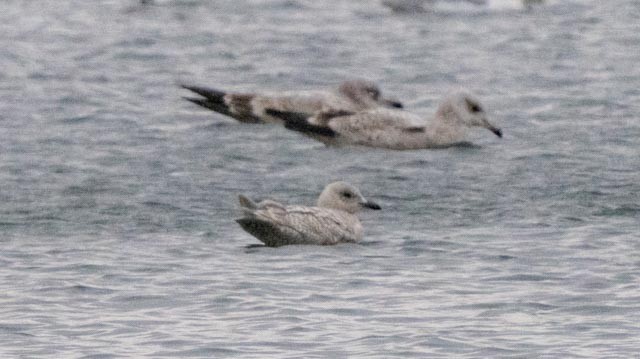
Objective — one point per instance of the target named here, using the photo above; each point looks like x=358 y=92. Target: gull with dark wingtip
x=334 y=220
x=352 y=95
x=398 y=130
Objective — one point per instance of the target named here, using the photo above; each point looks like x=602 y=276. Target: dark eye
x=473 y=106
x=374 y=94
x=347 y=194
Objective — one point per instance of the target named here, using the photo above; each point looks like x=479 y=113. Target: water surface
x=117 y=197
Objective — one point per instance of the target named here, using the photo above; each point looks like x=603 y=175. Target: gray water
x=117 y=197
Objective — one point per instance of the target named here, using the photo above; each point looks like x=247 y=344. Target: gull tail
x=248 y=206
x=212 y=99
x=300 y=122
x=237 y=106
x=246 y=202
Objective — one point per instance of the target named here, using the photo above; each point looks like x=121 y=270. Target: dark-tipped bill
x=497 y=131
x=371 y=205
x=393 y=103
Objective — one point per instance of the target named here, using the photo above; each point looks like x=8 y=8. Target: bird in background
x=351 y=95
x=420 y=6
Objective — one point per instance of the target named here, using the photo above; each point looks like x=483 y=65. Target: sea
x=118 y=198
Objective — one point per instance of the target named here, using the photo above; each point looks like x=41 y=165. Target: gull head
x=465 y=109
x=366 y=94
x=345 y=197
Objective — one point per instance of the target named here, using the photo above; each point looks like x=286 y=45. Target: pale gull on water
x=352 y=95
x=334 y=220
x=393 y=129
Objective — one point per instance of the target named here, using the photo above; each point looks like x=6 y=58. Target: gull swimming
x=334 y=220
x=418 y=6
x=351 y=95
x=407 y=6
x=394 y=129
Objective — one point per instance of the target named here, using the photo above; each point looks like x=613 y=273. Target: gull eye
x=473 y=106
x=347 y=194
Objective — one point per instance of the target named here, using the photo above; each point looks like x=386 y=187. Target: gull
x=351 y=95
x=334 y=220
x=418 y=6
x=406 y=6
x=393 y=129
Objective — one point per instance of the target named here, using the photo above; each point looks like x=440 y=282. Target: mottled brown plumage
x=352 y=95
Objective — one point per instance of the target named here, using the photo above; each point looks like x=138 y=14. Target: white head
x=466 y=110
x=366 y=94
x=343 y=196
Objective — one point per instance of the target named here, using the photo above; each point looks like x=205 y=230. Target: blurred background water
x=117 y=197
